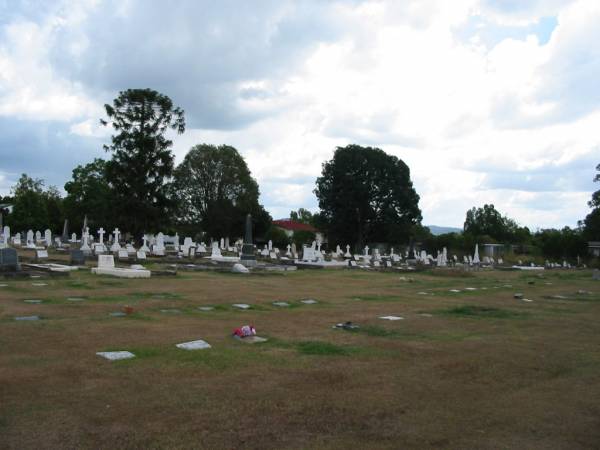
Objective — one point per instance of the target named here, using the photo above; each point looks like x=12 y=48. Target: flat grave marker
x=391 y=318
x=194 y=345
x=252 y=340
x=27 y=318
x=241 y=306
x=116 y=356
x=309 y=301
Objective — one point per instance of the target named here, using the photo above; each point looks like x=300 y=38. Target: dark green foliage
x=141 y=161
x=278 y=236
x=302 y=215
x=34 y=207
x=591 y=223
x=88 y=193
x=215 y=190
x=303 y=237
x=561 y=243
x=487 y=225
x=366 y=195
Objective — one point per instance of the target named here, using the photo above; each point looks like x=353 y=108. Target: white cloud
x=511 y=120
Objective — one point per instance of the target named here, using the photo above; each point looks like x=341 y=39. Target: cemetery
x=445 y=345
x=366 y=224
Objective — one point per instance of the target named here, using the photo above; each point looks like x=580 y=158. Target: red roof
x=287 y=224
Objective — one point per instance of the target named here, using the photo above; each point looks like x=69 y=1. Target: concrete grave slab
x=241 y=306
x=281 y=304
x=39 y=284
x=454 y=290
x=206 y=308
x=391 y=318
x=33 y=301
x=194 y=345
x=171 y=311
x=309 y=301
x=116 y=356
x=27 y=318
x=252 y=340
x=75 y=299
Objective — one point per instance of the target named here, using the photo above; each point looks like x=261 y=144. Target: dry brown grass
x=527 y=379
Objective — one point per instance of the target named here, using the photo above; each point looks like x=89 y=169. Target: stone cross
x=116 y=233
x=101 y=234
x=366 y=250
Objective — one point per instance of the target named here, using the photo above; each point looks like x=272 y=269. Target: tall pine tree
x=142 y=161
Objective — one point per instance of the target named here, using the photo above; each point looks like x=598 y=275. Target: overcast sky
x=486 y=101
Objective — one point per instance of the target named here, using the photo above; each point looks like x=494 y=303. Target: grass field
x=470 y=369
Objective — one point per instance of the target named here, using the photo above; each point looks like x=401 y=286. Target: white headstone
x=115 y=247
x=476 y=255
x=216 y=252
x=85 y=239
x=347 y=254
x=48 y=237
x=270 y=245
x=106 y=261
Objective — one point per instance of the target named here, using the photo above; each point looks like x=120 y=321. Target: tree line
x=365 y=195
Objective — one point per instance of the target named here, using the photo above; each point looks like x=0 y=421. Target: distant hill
x=435 y=230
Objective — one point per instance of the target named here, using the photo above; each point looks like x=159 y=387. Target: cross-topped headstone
x=115 y=247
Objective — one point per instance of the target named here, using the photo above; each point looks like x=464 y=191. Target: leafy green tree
x=366 y=195
x=591 y=223
x=302 y=215
x=30 y=209
x=558 y=244
x=89 y=194
x=488 y=225
x=142 y=161
x=302 y=237
x=278 y=236
x=215 y=190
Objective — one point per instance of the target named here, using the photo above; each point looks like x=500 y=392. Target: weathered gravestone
x=77 y=257
x=596 y=274
x=9 y=260
x=41 y=255
x=248 y=258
